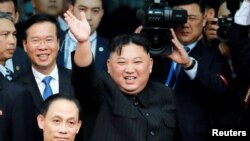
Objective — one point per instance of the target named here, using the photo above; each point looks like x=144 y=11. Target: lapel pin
x=101 y=49
x=17 y=68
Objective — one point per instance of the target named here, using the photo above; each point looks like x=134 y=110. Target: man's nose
x=130 y=68
x=88 y=15
x=63 y=129
x=12 y=39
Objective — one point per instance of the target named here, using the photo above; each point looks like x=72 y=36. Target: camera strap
x=245 y=106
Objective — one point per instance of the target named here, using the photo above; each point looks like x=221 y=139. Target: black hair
x=200 y=3
x=14 y=2
x=39 y=18
x=74 y=2
x=46 y=104
x=118 y=42
x=215 y=4
x=4 y=15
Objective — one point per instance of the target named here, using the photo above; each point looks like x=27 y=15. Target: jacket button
x=152 y=133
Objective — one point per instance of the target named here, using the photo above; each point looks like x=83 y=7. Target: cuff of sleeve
x=192 y=72
x=242 y=16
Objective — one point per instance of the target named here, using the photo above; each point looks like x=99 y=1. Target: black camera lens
x=225 y=24
x=159 y=19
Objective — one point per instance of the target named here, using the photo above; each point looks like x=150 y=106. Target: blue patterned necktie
x=47 y=91
x=9 y=74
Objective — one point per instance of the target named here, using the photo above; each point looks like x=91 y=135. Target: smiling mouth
x=61 y=138
x=130 y=77
x=52 y=6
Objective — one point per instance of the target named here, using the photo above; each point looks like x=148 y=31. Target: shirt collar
x=3 y=70
x=93 y=37
x=39 y=76
x=192 y=45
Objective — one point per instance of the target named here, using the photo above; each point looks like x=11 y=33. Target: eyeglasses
x=37 y=41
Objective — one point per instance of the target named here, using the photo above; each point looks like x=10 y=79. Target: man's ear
x=79 y=126
x=151 y=65
x=210 y=13
x=16 y=16
x=25 y=45
x=108 y=65
x=40 y=121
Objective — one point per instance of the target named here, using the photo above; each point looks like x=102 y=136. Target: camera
x=159 y=17
x=225 y=23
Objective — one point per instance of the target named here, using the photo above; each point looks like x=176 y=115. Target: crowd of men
x=61 y=80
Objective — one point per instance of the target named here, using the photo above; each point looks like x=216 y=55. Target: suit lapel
x=32 y=86
x=101 y=54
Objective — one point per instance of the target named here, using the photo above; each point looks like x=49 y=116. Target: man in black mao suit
x=41 y=44
x=202 y=78
x=122 y=103
x=17 y=117
x=94 y=12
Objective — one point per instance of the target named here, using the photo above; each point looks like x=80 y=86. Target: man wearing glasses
x=41 y=43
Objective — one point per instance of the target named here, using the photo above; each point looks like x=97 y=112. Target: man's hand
x=211 y=29
x=179 y=54
x=79 y=28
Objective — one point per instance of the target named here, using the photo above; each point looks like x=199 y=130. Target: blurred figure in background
x=19 y=62
x=94 y=12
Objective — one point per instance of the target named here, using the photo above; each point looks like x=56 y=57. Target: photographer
x=211 y=31
x=202 y=78
x=239 y=44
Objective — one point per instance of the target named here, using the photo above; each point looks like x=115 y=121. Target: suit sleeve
x=216 y=74
x=239 y=44
x=84 y=81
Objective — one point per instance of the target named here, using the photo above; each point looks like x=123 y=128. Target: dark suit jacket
x=21 y=62
x=239 y=44
x=101 y=56
x=29 y=82
x=17 y=117
x=194 y=97
x=115 y=116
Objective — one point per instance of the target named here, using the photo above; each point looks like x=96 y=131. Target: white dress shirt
x=54 y=83
x=192 y=72
x=3 y=70
x=70 y=45
x=9 y=64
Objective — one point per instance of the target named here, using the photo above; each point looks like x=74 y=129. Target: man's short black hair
x=4 y=15
x=40 y=18
x=14 y=1
x=118 y=42
x=74 y=2
x=200 y=3
x=46 y=104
